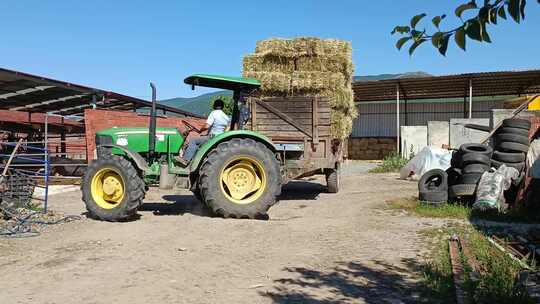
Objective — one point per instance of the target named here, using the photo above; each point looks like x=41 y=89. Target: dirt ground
x=315 y=248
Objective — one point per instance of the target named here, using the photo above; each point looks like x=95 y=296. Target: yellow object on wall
x=535 y=104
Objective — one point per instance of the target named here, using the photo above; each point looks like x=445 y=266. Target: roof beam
x=48 y=102
x=25 y=91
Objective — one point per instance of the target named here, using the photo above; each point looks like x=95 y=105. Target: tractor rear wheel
x=333 y=180
x=240 y=178
x=112 y=189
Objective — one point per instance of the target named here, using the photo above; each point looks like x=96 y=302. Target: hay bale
x=276 y=47
x=336 y=64
x=316 y=81
x=342 y=98
x=258 y=63
x=341 y=124
x=303 y=46
x=271 y=82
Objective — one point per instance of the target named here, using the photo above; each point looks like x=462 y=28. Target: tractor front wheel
x=240 y=178
x=112 y=189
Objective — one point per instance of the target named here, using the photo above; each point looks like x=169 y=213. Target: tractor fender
x=216 y=140
x=136 y=157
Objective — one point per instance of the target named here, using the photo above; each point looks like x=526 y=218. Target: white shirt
x=218 y=122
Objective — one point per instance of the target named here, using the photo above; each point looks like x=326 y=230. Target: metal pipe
x=397 y=119
x=152 y=129
x=470 y=98
x=46 y=162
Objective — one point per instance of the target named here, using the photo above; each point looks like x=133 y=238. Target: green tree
x=476 y=27
x=228 y=103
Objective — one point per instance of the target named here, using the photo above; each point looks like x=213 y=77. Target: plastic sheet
x=533 y=159
x=427 y=159
x=490 y=191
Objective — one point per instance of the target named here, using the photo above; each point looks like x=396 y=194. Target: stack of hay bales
x=307 y=67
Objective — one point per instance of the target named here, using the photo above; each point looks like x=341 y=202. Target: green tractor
x=236 y=174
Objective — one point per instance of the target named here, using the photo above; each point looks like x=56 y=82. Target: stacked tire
x=433 y=187
x=468 y=165
x=511 y=142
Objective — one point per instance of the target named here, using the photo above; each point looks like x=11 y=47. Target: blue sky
x=121 y=45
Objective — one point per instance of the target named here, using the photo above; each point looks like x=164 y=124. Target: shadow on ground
x=301 y=190
x=177 y=205
x=349 y=282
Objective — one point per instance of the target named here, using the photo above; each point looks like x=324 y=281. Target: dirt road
x=316 y=248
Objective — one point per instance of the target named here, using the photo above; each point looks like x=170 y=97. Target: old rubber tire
x=462 y=190
x=515 y=131
x=434 y=197
x=505 y=137
x=457 y=158
x=232 y=166
x=476 y=149
x=517 y=123
x=476 y=168
x=508 y=157
x=433 y=180
x=470 y=178
x=518 y=166
x=475 y=158
x=333 y=180
x=129 y=183
x=512 y=147
x=453 y=175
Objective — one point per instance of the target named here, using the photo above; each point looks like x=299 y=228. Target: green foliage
x=392 y=163
x=475 y=28
x=227 y=100
x=497 y=281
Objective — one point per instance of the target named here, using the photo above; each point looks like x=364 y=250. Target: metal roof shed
x=466 y=86
x=30 y=93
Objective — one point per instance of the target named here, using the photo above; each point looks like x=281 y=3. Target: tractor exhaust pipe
x=152 y=129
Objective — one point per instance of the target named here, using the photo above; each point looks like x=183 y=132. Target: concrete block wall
x=96 y=120
x=371 y=148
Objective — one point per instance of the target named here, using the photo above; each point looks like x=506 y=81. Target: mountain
x=391 y=76
x=198 y=105
x=201 y=104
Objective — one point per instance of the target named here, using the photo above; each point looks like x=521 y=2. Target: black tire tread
x=333 y=180
x=512 y=147
x=461 y=190
x=475 y=158
x=507 y=137
x=210 y=169
x=509 y=157
x=517 y=123
x=433 y=196
x=134 y=189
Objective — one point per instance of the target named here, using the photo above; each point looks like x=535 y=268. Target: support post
x=47 y=164
x=470 y=98
x=397 y=119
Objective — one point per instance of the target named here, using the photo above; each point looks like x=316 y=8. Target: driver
x=216 y=123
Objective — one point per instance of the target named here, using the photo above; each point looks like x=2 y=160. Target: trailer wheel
x=112 y=189
x=333 y=180
x=240 y=178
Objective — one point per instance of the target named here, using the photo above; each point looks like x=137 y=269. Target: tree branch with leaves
x=475 y=28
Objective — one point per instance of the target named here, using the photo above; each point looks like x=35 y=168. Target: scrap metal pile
x=307 y=67
x=510 y=144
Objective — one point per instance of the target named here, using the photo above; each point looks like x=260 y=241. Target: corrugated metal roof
x=25 y=92
x=450 y=86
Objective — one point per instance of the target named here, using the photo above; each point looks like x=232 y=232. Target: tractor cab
x=240 y=87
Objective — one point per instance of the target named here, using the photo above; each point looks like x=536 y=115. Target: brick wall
x=370 y=148
x=96 y=120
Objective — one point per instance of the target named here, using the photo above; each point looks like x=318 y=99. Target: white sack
x=427 y=159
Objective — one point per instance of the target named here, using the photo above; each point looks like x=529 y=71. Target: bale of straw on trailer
x=271 y=82
x=333 y=64
x=342 y=98
x=316 y=81
x=303 y=46
x=341 y=124
x=259 y=63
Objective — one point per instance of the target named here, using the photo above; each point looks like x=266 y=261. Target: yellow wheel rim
x=107 y=188
x=243 y=180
